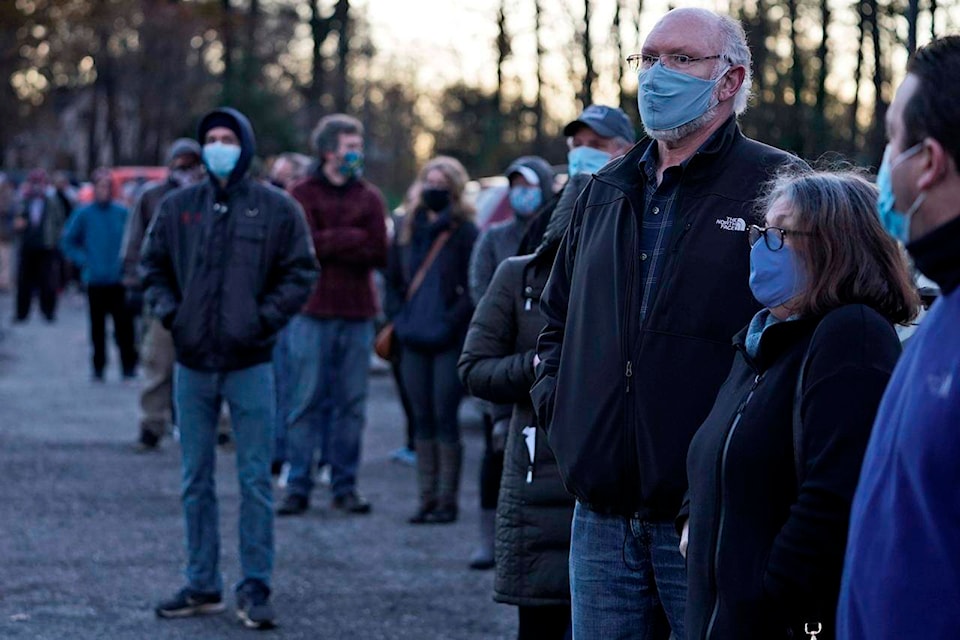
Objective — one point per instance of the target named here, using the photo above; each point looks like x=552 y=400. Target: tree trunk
x=249 y=70
x=589 y=74
x=857 y=79
x=913 y=12
x=795 y=137
x=341 y=16
x=227 y=39
x=538 y=103
x=819 y=113
x=877 y=132
x=319 y=28
x=621 y=54
x=933 y=19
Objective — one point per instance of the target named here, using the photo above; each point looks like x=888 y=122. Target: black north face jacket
x=225 y=268
x=620 y=399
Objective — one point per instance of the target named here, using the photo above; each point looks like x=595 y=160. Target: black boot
x=426 y=480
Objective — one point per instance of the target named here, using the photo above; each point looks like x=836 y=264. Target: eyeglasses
x=675 y=61
x=772 y=236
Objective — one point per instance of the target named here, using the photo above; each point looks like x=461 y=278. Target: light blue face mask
x=896 y=223
x=586 y=160
x=669 y=99
x=221 y=159
x=525 y=200
x=776 y=277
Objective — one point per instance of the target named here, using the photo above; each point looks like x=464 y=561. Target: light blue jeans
x=251 y=397
x=329 y=366
x=627 y=578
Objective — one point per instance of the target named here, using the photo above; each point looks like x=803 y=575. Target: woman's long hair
x=848 y=256
x=460 y=209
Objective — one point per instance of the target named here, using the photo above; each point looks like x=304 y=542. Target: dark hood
x=236 y=121
x=539 y=166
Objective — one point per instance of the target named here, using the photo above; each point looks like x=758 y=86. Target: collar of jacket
x=624 y=173
x=775 y=340
x=322 y=178
x=938 y=257
x=222 y=194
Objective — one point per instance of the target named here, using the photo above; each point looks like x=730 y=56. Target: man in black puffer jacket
x=650 y=282
x=225 y=265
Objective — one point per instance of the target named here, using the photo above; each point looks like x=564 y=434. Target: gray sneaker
x=190 y=603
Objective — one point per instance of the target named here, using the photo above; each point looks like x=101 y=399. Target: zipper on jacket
x=723 y=461
x=629 y=373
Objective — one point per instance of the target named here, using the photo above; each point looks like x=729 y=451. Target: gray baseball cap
x=609 y=122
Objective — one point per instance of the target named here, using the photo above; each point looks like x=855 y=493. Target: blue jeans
x=627 y=578
x=250 y=395
x=329 y=364
x=281 y=374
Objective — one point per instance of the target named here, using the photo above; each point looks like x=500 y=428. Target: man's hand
x=683 y=538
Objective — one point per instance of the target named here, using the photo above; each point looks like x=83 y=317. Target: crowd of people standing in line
x=698 y=421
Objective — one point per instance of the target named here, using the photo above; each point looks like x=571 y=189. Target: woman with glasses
x=773 y=468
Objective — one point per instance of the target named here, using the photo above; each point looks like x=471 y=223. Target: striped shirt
x=659 y=211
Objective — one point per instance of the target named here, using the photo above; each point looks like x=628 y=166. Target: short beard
x=677 y=134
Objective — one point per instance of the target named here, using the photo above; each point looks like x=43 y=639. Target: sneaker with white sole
x=189 y=603
x=254 y=609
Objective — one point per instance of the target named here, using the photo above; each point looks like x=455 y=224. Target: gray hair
x=735 y=51
x=326 y=135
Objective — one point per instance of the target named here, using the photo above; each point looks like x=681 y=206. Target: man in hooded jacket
x=225 y=265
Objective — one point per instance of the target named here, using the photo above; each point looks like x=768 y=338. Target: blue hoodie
x=92 y=240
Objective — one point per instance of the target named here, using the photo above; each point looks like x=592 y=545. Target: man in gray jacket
x=226 y=263
x=183 y=159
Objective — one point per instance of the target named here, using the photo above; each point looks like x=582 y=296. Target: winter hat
x=182 y=147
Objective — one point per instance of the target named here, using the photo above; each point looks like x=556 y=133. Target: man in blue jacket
x=91 y=240
x=225 y=265
x=649 y=284
x=902 y=573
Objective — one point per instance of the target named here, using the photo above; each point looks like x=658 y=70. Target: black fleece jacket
x=621 y=400
x=764 y=557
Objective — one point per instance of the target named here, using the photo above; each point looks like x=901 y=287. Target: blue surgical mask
x=352 y=164
x=776 y=277
x=586 y=160
x=525 y=200
x=896 y=223
x=221 y=159
x=669 y=99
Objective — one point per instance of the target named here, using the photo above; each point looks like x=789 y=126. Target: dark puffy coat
x=138 y=222
x=533 y=510
x=621 y=400
x=764 y=558
x=225 y=268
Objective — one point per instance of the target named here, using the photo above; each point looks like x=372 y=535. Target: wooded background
x=89 y=82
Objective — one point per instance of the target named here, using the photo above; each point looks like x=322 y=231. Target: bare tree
x=877 y=137
x=823 y=54
x=795 y=134
x=589 y=73
x=538 y=101
x=913 y=12
x=341 y=21
x=858 y=75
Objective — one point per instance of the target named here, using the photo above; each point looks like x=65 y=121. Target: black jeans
x=104 y=300
x=435 y=392
x=38 y=272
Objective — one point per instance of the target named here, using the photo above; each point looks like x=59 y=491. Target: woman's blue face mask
x=776 y=277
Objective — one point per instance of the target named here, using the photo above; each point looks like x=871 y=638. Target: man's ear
x=731 y=83
x=937 y=164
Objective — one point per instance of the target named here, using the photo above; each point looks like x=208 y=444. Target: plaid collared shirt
x=659 y=211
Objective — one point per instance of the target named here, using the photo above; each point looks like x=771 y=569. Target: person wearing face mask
x=650 y=282
x=328 y=344
x=428 y=303
x=91 y=240
x=902 y=569
x=38 y=224
x=773 y=468
x=225 y=265
x=156 y=396
x=531 y=193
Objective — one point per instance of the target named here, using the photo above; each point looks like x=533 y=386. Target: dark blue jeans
x=250 y=395
x=435 y=393
x=329 y=365
x=627 y=578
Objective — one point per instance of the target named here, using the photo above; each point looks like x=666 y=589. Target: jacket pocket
x=248 y=243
